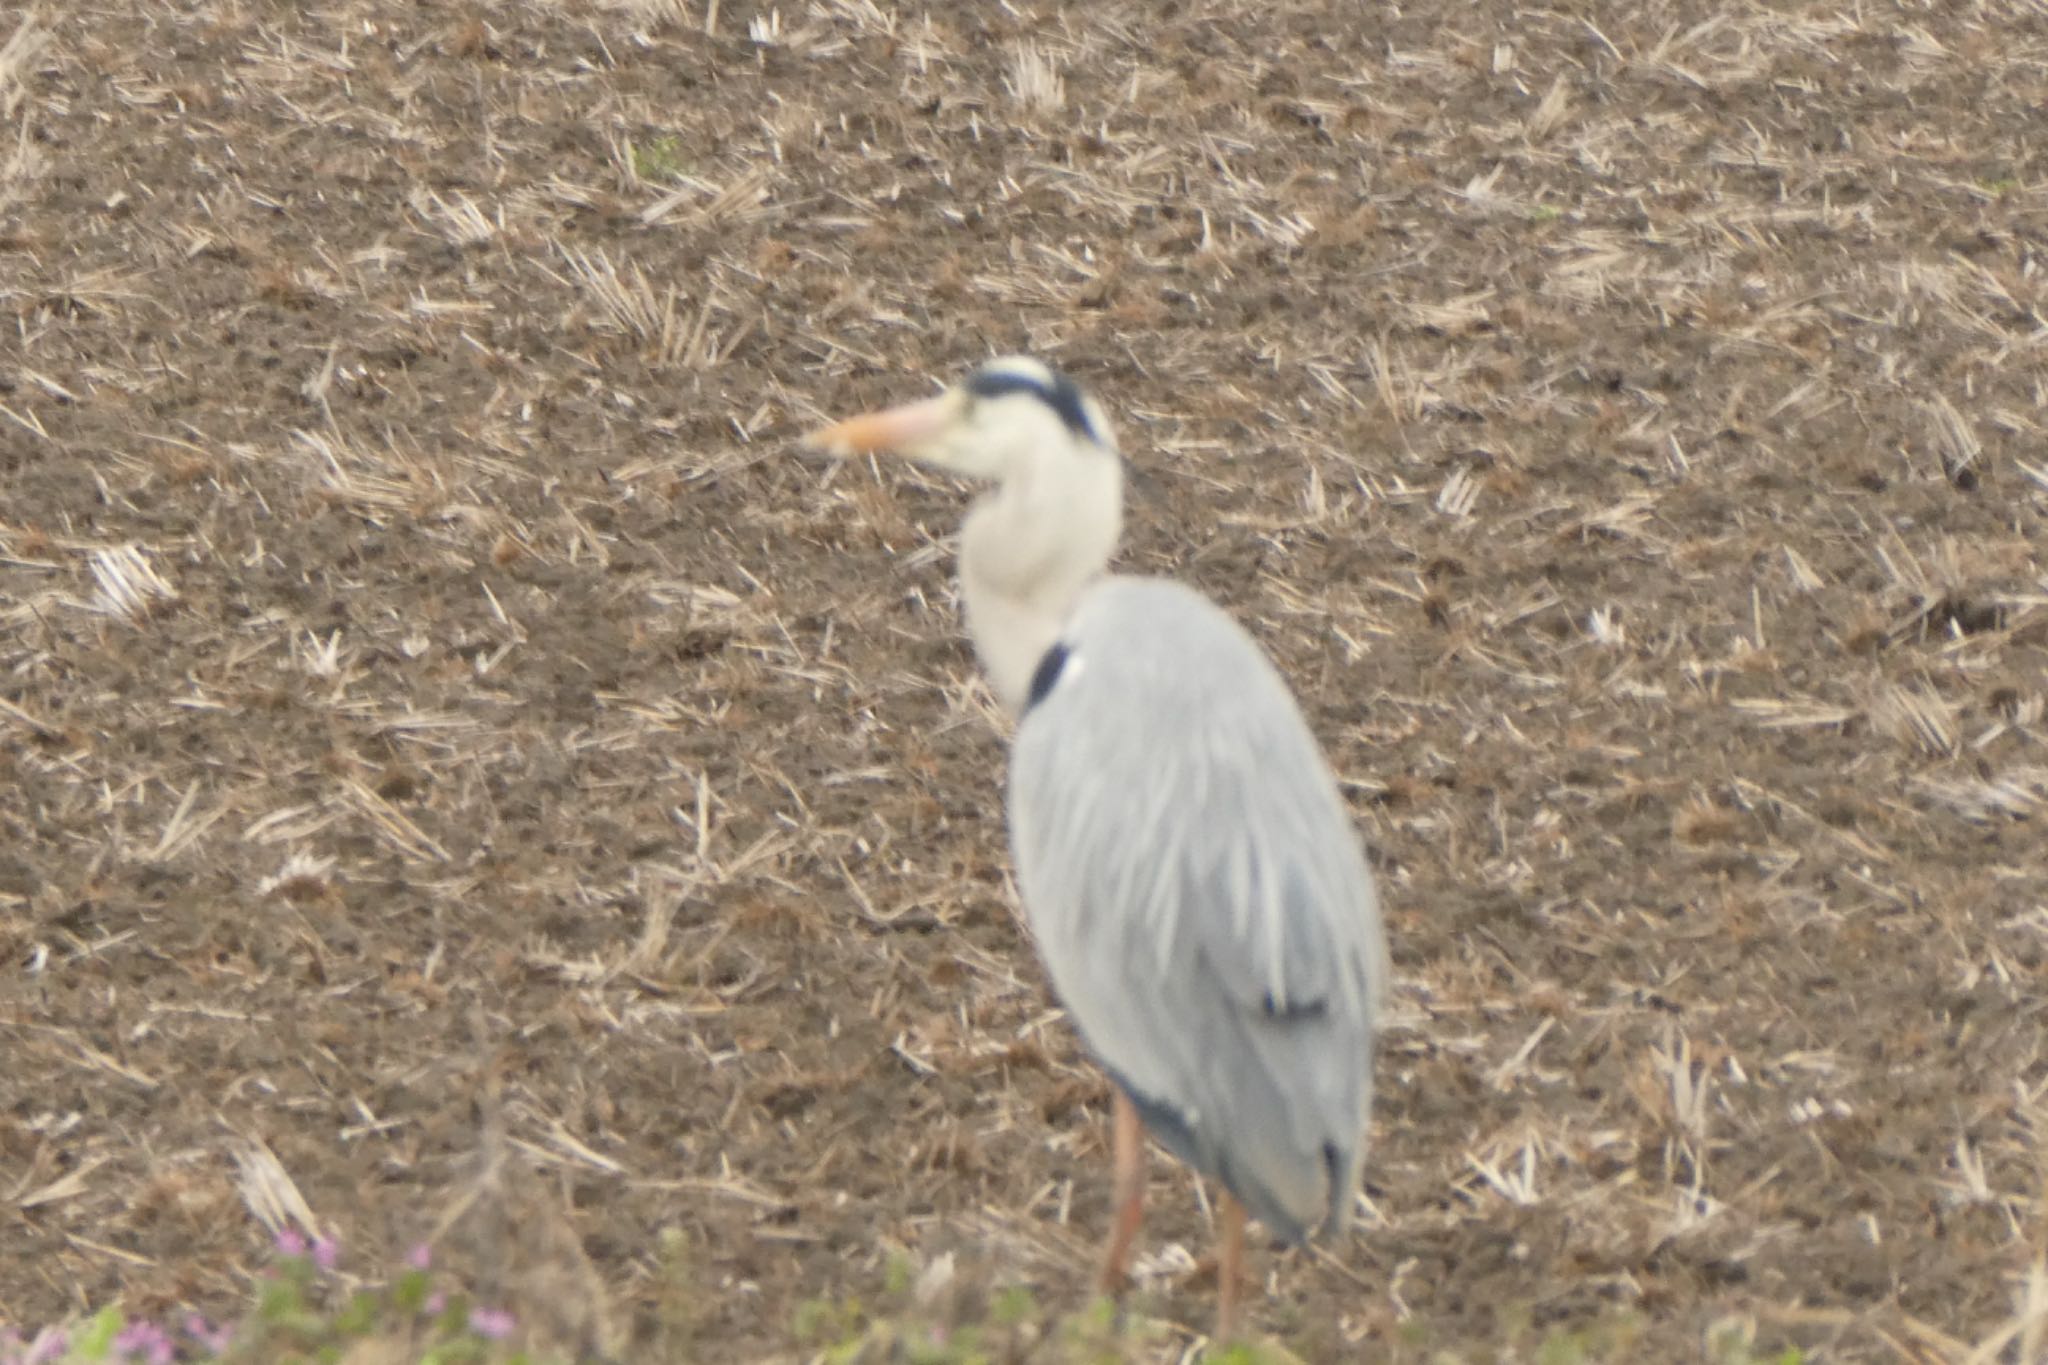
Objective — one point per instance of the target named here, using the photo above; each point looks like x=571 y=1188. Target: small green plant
x=300 y=1317
x=1732 y=1341
x=1246 y=1355
x=828 y=1322
x=1610 y=1338
x=1013 y=1307
x=915 y=1321
x=674 y=1303
x=660 y=160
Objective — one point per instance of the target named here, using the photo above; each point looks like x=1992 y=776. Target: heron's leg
x=1127 y=1148
x=1229 y=1267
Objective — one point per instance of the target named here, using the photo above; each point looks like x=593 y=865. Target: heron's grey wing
x=1199 y=896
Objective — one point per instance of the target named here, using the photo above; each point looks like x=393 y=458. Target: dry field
x=460 y=763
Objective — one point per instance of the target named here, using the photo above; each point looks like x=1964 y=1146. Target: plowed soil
x=461 y=763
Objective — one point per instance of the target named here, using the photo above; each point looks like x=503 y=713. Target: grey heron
x=1186 y=863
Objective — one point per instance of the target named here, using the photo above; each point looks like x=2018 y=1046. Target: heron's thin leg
x=1127 y=1148
x=1229 y=1267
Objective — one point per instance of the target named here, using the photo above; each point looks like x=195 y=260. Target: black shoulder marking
x=1163 y=1120
x=1050 y=665
x=1056 y=391
x=1293 y=1009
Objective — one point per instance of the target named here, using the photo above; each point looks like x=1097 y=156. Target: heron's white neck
x=1027 y=551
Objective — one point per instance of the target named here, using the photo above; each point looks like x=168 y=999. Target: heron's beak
x=901 y=429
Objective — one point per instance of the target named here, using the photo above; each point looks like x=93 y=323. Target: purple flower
x=436 y=1301
x=291 y=1241
x=421 y=1257
x=492 y=1324
x=49 y=1346
x=326 y=1251
x=144 y=1341
x=216 y=1340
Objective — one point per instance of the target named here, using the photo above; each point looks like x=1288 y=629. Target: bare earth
x=452 y=743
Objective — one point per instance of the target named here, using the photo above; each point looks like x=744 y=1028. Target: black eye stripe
x=1058 y=392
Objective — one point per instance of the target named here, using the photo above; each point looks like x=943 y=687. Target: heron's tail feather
x=1341 y=1167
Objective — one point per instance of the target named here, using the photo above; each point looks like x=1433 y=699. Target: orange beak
x=898 y=428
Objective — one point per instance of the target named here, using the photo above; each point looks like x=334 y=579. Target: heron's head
x=1004 y=418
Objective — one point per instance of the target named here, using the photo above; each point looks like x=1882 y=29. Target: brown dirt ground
x=506 y=778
